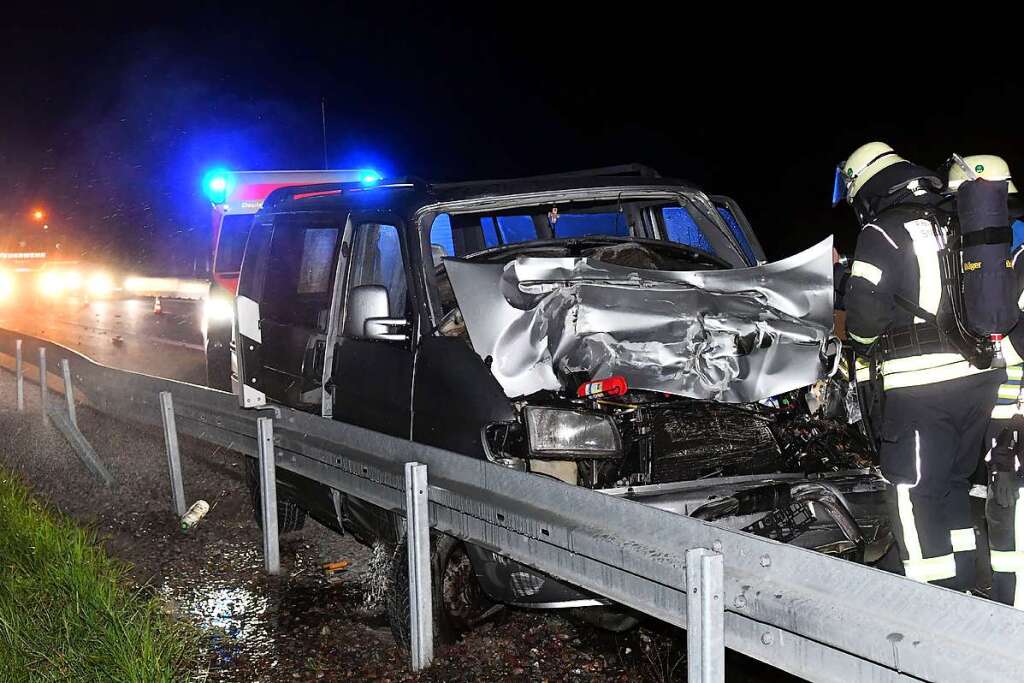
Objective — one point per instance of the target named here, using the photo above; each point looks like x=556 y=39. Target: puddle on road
x=252 y=621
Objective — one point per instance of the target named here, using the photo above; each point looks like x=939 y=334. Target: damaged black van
x=610 y=329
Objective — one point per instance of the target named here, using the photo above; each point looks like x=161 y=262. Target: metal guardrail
x=816 y=616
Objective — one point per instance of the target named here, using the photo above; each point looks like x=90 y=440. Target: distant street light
x=38 y=214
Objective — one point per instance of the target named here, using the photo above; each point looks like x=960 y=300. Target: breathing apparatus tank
x=988 y=284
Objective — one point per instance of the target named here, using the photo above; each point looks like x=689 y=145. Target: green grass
x=65 y=613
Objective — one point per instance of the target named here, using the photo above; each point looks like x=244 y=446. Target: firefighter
x=935 y=403
x=1005 y=437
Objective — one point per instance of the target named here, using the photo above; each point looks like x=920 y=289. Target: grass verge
x=65 y=614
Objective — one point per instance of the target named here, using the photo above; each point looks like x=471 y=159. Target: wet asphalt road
x=122 y=333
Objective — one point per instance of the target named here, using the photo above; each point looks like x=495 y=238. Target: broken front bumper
x=840 y=514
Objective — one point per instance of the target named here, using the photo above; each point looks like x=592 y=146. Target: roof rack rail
x=285 y=194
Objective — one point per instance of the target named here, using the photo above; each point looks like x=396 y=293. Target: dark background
x=109 y=119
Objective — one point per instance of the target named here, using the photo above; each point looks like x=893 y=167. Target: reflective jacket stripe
x=1009 y=393
x=926 y=250
x=963 y=540
x=1010 y=561
x=925 y=369
x=869 y=272
x=1004 y=412
x=866 y=341
x=931 y=568
x=1010 y=354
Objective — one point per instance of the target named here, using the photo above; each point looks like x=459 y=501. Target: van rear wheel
x=290 y=515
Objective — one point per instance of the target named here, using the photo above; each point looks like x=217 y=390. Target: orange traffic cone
x=157 y=307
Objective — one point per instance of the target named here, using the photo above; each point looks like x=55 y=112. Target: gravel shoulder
x=299 y=626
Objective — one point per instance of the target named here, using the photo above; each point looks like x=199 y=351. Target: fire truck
x=236 y=196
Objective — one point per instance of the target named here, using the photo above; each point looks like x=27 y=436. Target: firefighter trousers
x=1006 y=539
x=931 y=443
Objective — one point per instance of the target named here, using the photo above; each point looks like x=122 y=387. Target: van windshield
x=464 y=234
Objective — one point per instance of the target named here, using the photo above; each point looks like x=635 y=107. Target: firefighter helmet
x=866 y=161
x=986 y=166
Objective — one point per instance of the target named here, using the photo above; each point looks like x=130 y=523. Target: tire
x=457 y=599
x=290 y=515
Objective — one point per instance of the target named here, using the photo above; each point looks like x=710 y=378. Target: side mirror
x=367 y=315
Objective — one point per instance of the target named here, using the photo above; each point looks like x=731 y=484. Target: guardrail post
x=69 y=392
x=705 y=617
x=43 y=390
x=417 y=516
x=268 y=494
x=19 y=371
x=173 y=454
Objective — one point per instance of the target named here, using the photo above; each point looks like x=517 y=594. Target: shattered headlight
x=556 y=433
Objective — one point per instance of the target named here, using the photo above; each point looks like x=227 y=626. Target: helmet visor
x=838 y=186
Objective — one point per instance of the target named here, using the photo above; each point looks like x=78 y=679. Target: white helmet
x=866 y=161
x=986 y=166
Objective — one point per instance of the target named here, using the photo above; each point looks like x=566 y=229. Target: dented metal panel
x=735 y=335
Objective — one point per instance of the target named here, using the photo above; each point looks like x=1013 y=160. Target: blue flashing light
x=218 y=184
x=370 y=177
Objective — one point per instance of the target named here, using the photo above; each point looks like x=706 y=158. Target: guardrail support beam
x=83 y=449
x=20 y=374
x=173 y=453
x=705 y=616
x=69 y=391
x=417 y=516
x=43 y=389
x=268 y=494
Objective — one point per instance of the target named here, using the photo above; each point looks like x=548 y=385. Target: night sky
x=110 y=119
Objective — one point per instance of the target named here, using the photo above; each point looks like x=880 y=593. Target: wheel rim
x=460 y=590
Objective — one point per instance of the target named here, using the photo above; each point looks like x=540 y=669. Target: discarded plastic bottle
x=194 y=514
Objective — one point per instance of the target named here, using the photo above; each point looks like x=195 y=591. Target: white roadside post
x=69 y=392
x=417 y=516
x=173 y=453
x=705 y=616
x=43 y=390
x=268 y=494
x=20 y=372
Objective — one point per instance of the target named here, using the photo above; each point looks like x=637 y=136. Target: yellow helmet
x=987 y=166
x=866 y=161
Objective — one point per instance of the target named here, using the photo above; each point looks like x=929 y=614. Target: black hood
x=888 y=188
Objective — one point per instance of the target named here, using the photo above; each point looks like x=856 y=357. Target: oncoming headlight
x=100 y=285
x=554 y=432
x=6 y=285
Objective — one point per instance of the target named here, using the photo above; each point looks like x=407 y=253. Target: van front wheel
x=457 y=599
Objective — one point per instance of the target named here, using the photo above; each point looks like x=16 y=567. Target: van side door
x=284 y=306
x=373 y=356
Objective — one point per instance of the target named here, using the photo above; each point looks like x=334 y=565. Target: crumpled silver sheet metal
x=736 y=335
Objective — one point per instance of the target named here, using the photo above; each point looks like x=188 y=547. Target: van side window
x=299 y=274
x=376 y=259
